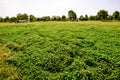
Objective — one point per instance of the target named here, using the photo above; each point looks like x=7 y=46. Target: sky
x=41 y=8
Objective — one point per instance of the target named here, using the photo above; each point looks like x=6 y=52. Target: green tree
x=63 y=18
x=56 y=18
x=116 y=15
x=22 y=16
x=25 y=16
x=32 y=18
x=92 y=18
x=6 y=19
x=86 y=17
x=45 y=18
x=38 y=19
x=119 y=18
x=19 y=16
x=97 y=17
x=102 y=14
x=13 y=19
x=109 y=17
x=72 y=15
x=81 y=18
x=1 y=19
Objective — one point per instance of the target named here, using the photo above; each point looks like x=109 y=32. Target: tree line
x=101 y=15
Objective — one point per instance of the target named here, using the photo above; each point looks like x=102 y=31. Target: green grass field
x=60 y=51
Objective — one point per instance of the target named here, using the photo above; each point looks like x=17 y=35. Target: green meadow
x=87 y=50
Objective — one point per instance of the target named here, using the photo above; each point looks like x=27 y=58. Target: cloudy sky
x=41 y=8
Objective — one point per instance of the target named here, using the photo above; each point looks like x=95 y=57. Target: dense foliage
x=101 y=15
x=116 y=15
x=72 y=15
x=59 y=50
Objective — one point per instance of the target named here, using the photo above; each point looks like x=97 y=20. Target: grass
x=60 y=50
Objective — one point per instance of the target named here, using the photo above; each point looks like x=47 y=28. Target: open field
x=60 y=50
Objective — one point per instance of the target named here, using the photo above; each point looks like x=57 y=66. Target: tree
x=72 y=15
x=6 y=19
x=25 y=16
x=109 y=17
x=97 y=17
x=19 y=16
x=1 y=19
x=32 y=18
x=56 y=18
x=45 y=18
x=38 y=19
x=92 y=18
x=119 y=18
x=102 y=14
x=116 y=15
x=22 y=16
x=81 y=18
x=63 y=18
x=13 y=19
x=86 y=17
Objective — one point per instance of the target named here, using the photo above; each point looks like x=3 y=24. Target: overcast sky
x=41 y=8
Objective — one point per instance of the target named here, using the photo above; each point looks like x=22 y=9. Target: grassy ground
x=60 y=50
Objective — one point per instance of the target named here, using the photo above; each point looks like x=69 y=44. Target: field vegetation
x=87 y=50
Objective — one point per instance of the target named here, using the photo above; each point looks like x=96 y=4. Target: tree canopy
x=116 y=15
x=22 y=16
x=102 y=14
x=72 y=15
